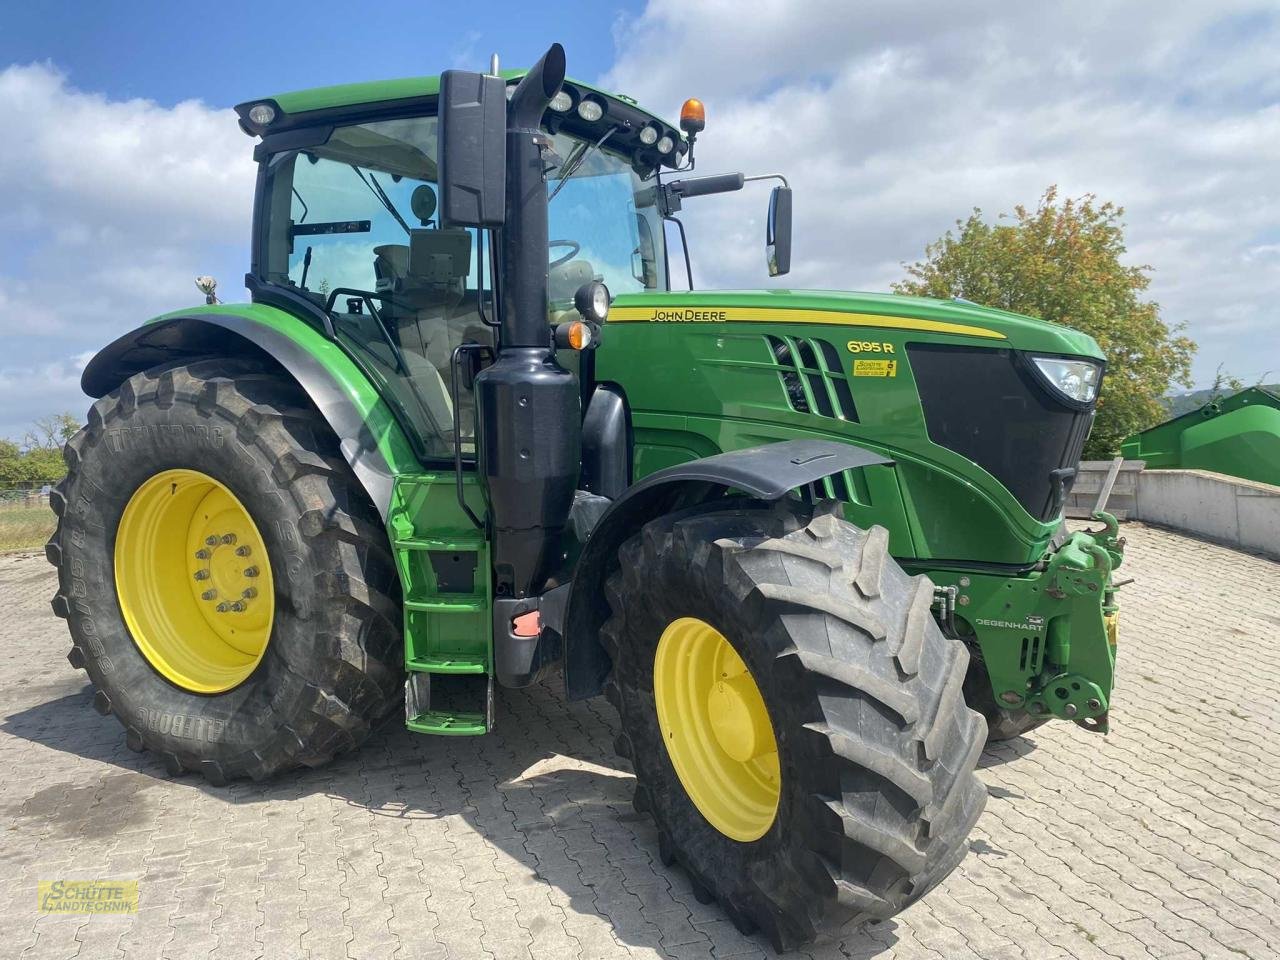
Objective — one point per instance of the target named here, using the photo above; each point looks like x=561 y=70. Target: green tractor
x=463 y=435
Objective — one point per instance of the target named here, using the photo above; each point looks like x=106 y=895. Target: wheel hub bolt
x=242 y=551
x=202 y=574
x=228 y=538
x=211 y=540
x=249 y=593
x=209 y=595
x=223 y=607
x=238 y=606
x=251 y=572
x=202 y=554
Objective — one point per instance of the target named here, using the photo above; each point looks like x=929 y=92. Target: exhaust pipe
x=528 y=407
x=524 y=237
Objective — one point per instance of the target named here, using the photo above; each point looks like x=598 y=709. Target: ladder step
x=448 y=546
x=476 y=605
x=446 y=724
x=448 y=665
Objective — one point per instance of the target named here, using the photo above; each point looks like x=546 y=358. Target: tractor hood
x=869 y=310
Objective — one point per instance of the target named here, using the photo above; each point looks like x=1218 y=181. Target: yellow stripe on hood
x=690 y=313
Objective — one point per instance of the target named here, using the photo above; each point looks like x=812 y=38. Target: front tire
x=1001 y=724
x=875 y=792
x=324 y=662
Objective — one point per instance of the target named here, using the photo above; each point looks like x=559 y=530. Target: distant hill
x=1179 y=403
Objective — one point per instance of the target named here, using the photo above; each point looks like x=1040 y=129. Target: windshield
x=351 y=223
x=605 y=211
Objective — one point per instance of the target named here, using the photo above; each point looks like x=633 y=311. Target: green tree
x=1061 y=262
x=11 y=470
x=43 y=465
x=38 y=458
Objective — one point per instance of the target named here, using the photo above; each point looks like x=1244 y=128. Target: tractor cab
x=350 y=224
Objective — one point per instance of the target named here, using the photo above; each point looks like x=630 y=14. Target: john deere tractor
x=463 y=434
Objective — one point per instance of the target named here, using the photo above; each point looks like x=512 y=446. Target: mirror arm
x=669 y=197
x=671 y=194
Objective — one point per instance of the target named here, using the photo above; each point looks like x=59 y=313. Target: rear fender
x=371 y=439
x=765 y=473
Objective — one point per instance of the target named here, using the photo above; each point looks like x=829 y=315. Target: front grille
x=812 y=377
x=986 y=405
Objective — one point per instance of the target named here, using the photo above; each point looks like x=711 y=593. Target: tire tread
x=859 y=637
x=266 y=410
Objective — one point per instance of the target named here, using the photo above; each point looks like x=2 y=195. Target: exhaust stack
x=528 y=407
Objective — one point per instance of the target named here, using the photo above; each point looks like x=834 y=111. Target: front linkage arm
x=1048 y=639
x=1080 y=575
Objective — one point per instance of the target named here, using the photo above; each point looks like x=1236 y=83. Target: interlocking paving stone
x=1161 y=840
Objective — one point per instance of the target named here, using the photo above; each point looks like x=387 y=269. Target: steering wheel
x=573 y=252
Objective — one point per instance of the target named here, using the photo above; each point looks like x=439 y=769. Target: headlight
x=1075 y=379
x=262 y=114
x=562 y=101
x=666 y=145
x=592 y=301
x=648 y=135
x=590 y=110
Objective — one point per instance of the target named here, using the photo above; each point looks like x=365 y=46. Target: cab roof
x=348 y=101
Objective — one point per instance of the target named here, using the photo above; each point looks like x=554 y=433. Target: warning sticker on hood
x=875 y=368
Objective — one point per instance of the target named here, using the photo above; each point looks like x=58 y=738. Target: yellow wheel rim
x=716 y=728
x=194 y=581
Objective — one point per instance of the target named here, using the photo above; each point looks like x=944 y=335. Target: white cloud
x=25 y=393
x=893 y=121
x=112 y=208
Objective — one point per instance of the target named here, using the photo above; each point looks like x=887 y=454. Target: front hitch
x=1079 y=574
x=1046 y=639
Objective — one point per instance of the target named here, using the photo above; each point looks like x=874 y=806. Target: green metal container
x=1238 y=436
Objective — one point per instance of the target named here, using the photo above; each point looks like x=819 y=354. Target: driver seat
x=429 y=313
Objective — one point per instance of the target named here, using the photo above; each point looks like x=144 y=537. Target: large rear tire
x=276 y=649
x=813 y=643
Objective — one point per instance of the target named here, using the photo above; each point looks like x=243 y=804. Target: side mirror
x=778 y=235
x=473 y=149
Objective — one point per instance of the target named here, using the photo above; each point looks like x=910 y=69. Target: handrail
x=455 y=362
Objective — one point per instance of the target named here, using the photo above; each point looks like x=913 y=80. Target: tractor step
x=444 y=575
x=446 y=703
x=448 y=665
x=453 y=544
x=449 y=724
x=469 y=605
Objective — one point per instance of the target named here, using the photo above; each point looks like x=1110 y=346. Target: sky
x=124 y=175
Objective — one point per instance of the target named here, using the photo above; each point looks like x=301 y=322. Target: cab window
x=353 y=224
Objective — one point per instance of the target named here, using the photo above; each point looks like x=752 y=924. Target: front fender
x=765 y=473
x=371 y=439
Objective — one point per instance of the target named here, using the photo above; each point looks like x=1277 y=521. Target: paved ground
x=1160 y=840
